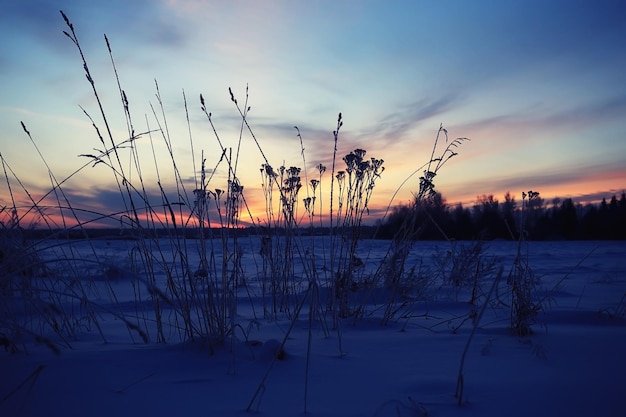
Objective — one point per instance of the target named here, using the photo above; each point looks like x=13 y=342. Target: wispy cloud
x=571 y=117
x=395 y=126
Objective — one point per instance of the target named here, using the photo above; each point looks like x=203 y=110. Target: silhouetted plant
x=395 y=260
x=523 y=282
x=465 y=265
x=356 y=185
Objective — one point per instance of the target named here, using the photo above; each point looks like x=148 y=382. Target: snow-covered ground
x=573 y=365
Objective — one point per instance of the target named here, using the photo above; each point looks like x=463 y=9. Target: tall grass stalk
x=460 y=384
x=522 y=280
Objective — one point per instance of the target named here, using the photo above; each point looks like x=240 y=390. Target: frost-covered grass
x=573 y=363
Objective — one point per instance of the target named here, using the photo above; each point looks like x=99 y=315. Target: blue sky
x=538 y=86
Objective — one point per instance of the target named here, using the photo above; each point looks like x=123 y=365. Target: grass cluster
x=185 y=260
x=186 y=255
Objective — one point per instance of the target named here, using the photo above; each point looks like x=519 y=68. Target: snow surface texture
x=573 y=365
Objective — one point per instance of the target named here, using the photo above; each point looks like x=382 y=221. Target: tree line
x=490 y=218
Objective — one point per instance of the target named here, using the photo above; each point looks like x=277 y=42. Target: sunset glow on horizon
x=539 y=88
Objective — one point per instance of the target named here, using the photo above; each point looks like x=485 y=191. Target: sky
x=538 y=86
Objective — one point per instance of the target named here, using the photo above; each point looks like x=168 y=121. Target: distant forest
x=489 y=218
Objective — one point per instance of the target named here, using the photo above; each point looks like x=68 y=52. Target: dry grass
x=186 y=256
